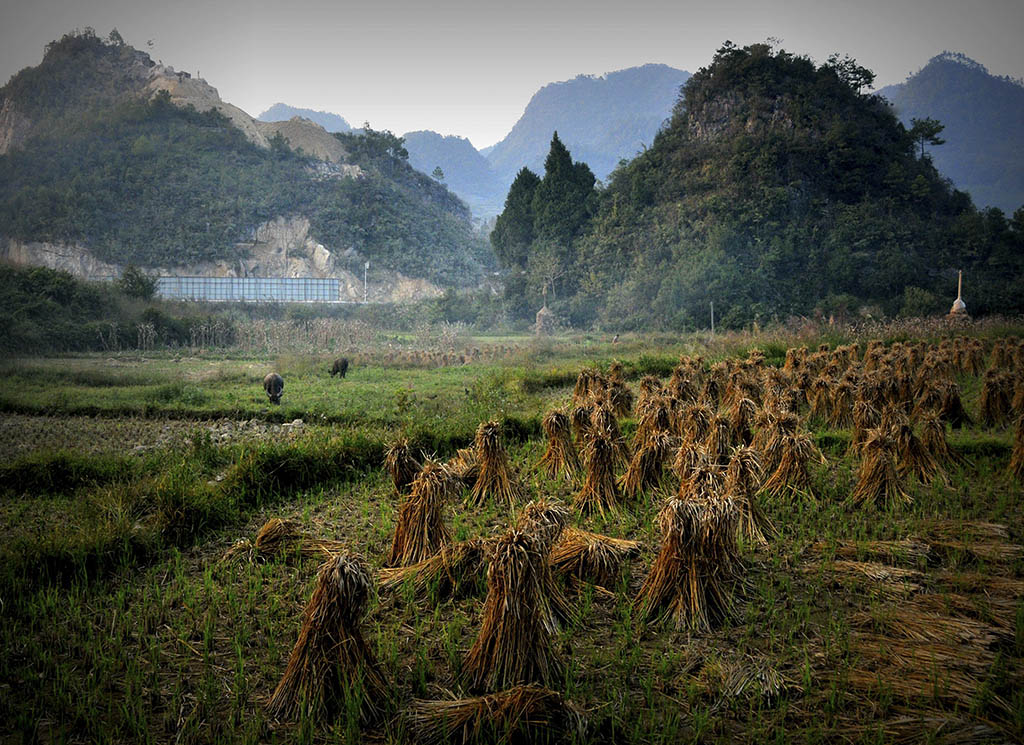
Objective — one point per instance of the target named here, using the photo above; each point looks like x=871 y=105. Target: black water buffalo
x=340 y=367
x=273 y=384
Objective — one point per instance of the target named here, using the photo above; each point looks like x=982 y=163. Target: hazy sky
x=469 y=68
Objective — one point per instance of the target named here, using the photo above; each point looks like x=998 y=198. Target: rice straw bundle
x=933 y=438
x=496 y=478
x=995 y=399
x=878 y=479
x=719 y=440
x=277 y=537
x=865 y=418
x=711 y=393
x=331 y=664
x=513 y=645
x=603 y=420
x=450 y=570
x=528 y=713
x=697 y=423
x=581 y=416
x=591 y=557
x=646 y=468
x=913 y=457
x=742 y=417
x=583 y=388
x=654 y=416
x=689 y=457
x=420 y=531
x=400 y=464
x=561 y=456
x=544 y=521
x=1017 y=456
x=681 y=387
x=464 y=466
x=819 y=399
x=650 y=386
x=690 y=580
x=791 y=453
x=841 y=415
x=775 y=430
x=742 y=483
x=599 y=491
x=1017 y=404
x=952 y=408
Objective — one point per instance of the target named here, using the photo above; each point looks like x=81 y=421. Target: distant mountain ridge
x=466 y=171
x=601 y=119
x=983 y=116
x=281 y=112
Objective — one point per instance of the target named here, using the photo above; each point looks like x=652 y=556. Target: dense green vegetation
x=982 y=114
x=145 y=182
x=777 y=188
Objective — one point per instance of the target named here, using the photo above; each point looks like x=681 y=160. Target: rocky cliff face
x=282 y=248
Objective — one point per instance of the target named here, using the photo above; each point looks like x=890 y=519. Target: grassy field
x=126 y=480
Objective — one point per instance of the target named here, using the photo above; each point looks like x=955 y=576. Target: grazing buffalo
x=340 y=367
x=273 y=384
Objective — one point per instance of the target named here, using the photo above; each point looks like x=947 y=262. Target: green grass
x=123 y=622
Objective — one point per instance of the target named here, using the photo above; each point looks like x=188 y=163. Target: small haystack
x=332 y=668
x=690 y=581
x=878 y=479
x=400 y=464
x=420 y=531
x=561 y=457
x=599 y=493
x=591 y=557
x=495 y=480
x=513 y=646
x=450 y=571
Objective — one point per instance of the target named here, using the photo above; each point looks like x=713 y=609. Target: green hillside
x=777 y=189
x=139 y=180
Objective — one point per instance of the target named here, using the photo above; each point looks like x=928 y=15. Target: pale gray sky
x=469 y=68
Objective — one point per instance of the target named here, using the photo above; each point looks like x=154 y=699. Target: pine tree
x=514 y=229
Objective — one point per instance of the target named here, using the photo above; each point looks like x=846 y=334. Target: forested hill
x=96 y=153
x=779 y=187
x=983 y=119
x=601 y=119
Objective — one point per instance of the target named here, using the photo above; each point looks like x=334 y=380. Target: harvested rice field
x=802 y=537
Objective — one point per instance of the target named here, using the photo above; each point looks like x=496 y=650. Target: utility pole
x=712 y=317
x=366 y=268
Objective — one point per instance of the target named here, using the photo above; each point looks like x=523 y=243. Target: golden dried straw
x=878 y=479
x=561 y=457
x=496 y=479
x=544 y=521
x=742 y=483
x=690 y=581
x=331 y=665
x=420 y=531
x=529 y=713
x=599 y=492
x=400 y=464
x=647 y=466
x=513 y=646
x=591 y=557
x=452 y=569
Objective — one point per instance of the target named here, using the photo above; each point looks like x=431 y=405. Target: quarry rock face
x=282 y=248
